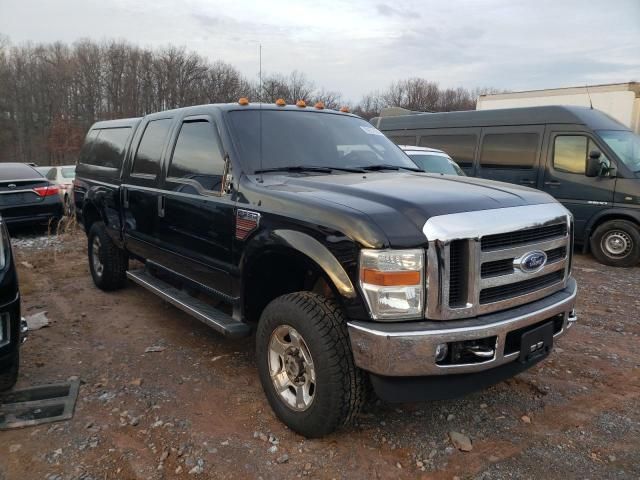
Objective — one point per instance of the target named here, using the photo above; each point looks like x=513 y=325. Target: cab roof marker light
x=319 y=106
x=301 y=104
x=243 y=101
x=280 y=102
x=344 y=109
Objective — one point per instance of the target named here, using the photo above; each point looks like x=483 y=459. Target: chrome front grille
x=473 y=259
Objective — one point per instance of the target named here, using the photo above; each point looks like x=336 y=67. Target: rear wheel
x=108 y=263
x=68 y=207
x=306 y=366
x=616 y=243
x=9 y=377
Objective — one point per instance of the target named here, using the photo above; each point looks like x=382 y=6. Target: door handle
x=552 y=183
x=524 y=181
x=161 y=206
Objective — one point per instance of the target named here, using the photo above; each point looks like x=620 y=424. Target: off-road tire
x=631 y=234
x=9 y=377
x=114 y=260
x=340 y=387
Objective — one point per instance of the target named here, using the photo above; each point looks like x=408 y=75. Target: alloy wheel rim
x=95 y=257
x=291 y=368
x=617 y=244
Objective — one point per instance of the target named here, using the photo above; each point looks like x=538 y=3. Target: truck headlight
x=393 y=283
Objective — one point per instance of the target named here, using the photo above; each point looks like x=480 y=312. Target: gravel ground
x=195 y=409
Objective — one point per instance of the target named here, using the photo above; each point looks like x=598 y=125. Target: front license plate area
x=536 y=343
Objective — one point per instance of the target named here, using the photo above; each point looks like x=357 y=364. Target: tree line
x=51 y=93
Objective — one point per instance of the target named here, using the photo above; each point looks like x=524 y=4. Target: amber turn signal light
x=390 y=279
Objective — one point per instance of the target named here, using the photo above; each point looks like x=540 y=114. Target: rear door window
x=105 y=148
x=86 y=153
x=149 y=153
x=460 y=147
x=197 y=157
x=509 y=150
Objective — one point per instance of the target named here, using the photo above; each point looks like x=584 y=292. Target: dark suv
x=311 y=227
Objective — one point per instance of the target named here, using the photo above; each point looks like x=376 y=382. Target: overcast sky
x=355 y=46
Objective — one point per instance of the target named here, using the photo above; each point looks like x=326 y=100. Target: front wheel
x=616 y=243
x=306 y=366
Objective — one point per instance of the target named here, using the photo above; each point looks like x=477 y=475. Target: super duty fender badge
x=246 y=222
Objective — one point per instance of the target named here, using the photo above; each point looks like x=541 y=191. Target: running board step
x=219 y=321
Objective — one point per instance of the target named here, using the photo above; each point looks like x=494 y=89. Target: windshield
x=432 y=163
x=68 y=172
x=626 y=145
x=311 y=139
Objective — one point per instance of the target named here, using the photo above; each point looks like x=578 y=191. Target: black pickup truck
x=310 y=227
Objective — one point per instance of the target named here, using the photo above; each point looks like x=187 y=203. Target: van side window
x=198 y=155
x=403 y=140
x=509 y=150
x=109 y=147
x=570 y=153
x=148 y=156
x=459 y=147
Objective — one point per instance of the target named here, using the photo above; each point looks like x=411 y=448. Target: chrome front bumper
x=408 y=349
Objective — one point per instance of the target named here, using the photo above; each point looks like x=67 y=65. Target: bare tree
x=51 y=93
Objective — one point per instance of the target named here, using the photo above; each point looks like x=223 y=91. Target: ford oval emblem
x=12 y=185
x=532 y=262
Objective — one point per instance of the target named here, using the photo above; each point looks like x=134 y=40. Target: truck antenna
x=586 y=86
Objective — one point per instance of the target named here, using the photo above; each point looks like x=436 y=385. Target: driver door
x=565 y=179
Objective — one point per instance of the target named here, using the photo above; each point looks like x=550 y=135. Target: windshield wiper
x=309 y=168
x=375 y=168
x=297 y=168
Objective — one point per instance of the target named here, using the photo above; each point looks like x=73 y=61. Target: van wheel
x=306 y=365
x=107 y=262
x=9 y=377
x=616 y=243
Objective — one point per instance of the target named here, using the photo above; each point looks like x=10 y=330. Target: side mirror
x=594 y=166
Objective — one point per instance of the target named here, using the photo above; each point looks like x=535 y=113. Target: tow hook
x=572 y=318
x=480 y=351
x=24 y=330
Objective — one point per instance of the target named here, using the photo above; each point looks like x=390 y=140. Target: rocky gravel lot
x=191 y=405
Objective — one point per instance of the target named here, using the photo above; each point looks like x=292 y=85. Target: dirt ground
x=195 y=409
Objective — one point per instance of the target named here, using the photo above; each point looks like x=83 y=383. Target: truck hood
x=400 y=203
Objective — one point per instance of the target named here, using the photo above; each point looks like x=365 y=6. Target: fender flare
x=314 y=250
x=321 y=255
